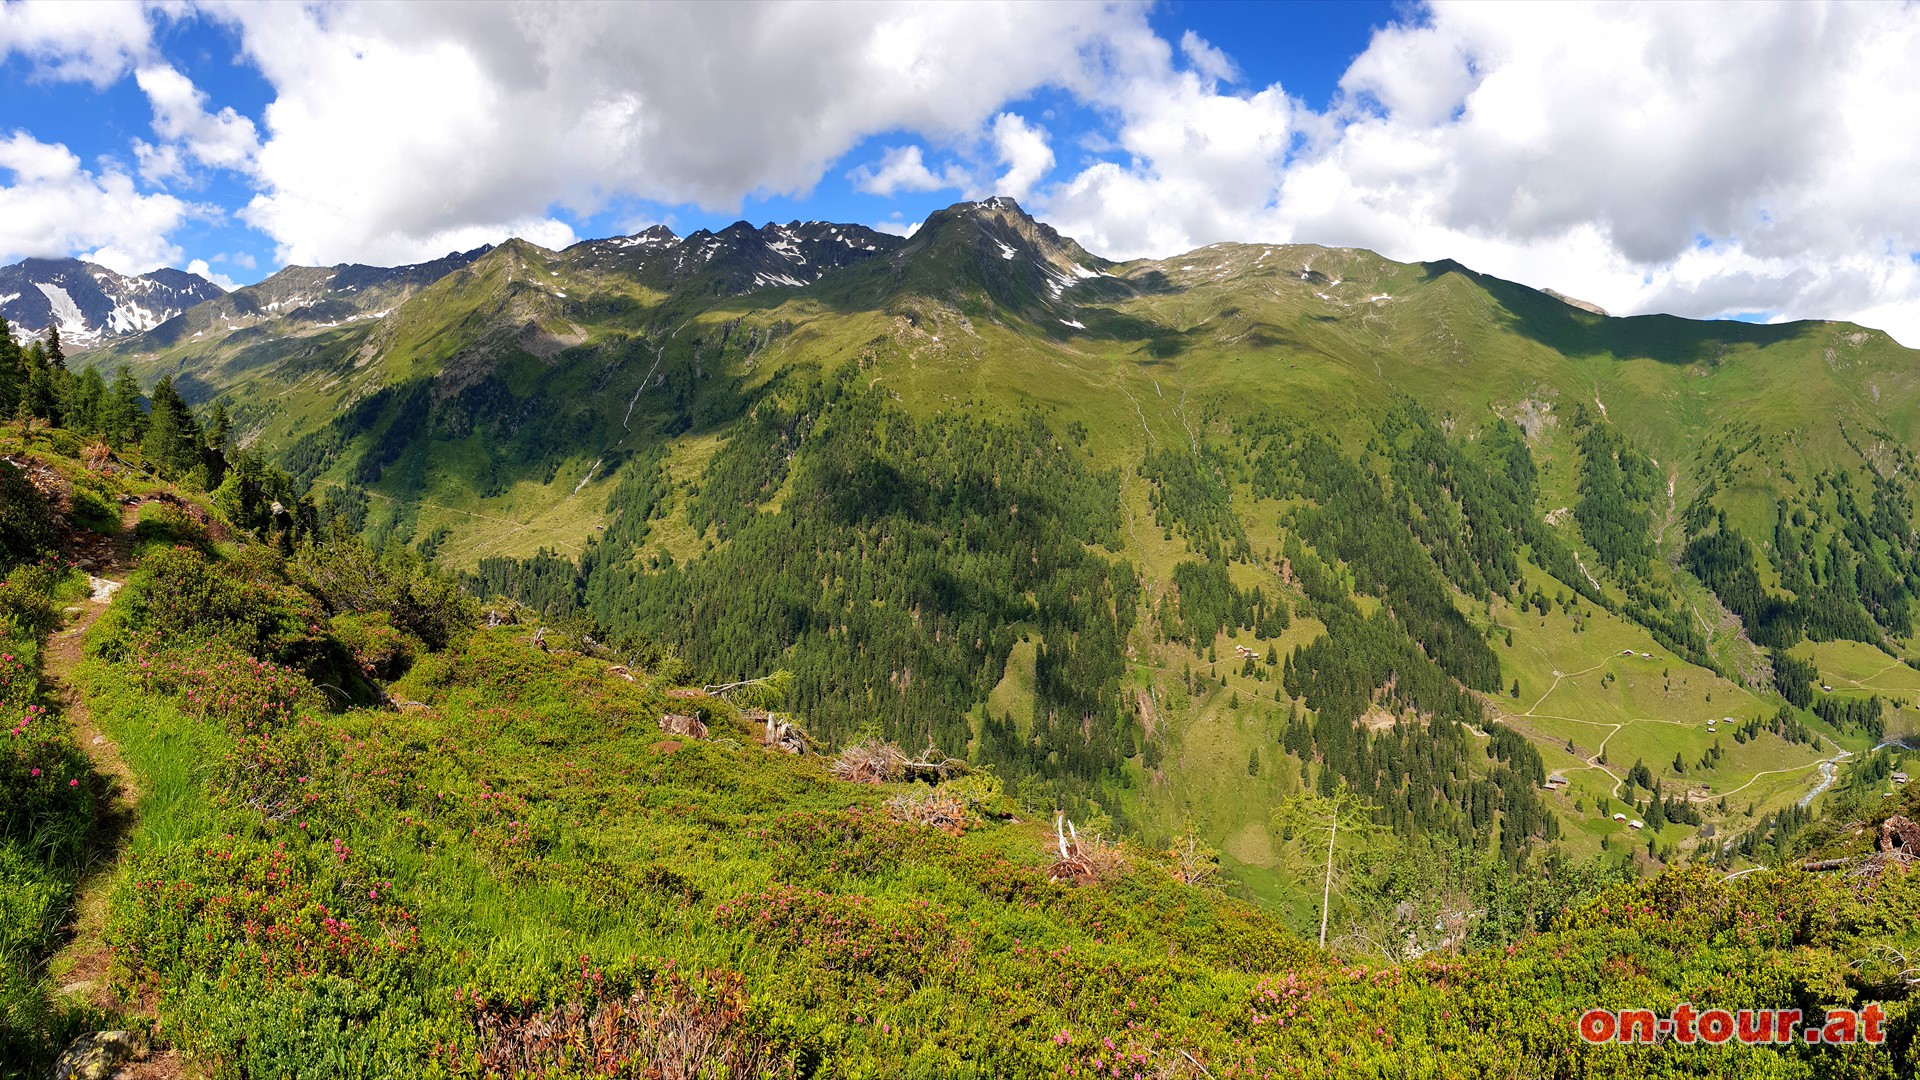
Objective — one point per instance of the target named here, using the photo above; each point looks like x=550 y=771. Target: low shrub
x=849 y=934
x=214 y=681
x=349 y=576
x=94 y=507
x=181 y=595
x=46 y=796
x=381 y=651
x=273 y=910
x=26 y=522
x=166 y=524
x=668 y=1025
x=934 y=809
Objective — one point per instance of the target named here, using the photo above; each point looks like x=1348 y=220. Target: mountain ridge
x=90 y=303
x=1306 y=512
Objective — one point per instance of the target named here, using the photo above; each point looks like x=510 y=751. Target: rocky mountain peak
x=90 y=303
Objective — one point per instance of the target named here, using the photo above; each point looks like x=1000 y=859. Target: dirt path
x=80 y=968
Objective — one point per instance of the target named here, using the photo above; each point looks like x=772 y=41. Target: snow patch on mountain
x=89 y=303
x=66 y=313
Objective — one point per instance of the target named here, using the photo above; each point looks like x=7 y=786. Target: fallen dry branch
x=1083 y=860
x=870 y=763
x=671 y=1030
x=934 y=809
x=783 y=734
x=1899 y=836
x=934 y=772
x=1898 y=845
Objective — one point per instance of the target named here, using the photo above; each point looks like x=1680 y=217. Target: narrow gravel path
x=81 y=966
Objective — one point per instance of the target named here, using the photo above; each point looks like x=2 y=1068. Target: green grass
x=1208 y=342
x=371 y=892
x=1858 y=666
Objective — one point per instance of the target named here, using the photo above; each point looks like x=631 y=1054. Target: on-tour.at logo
x=1752 y=1027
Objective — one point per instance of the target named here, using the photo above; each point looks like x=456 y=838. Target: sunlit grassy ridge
x=497 y=411
x=372 y=892
x=381 y=834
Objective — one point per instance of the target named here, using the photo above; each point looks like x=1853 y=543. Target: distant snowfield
x=66 y=313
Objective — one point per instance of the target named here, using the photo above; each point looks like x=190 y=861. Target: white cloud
x=1644 y=157
x=903 y=168
x=1201 y=166
x=1007 y=141
x=223 y=140
x=1207 y=60
x=1024 y=151
x=93 y=42
x=53 y=208
x=161 y=164
x=395 y=124
x=199 y=266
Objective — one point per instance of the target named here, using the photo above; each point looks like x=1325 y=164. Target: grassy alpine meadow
x=47 y=811
x=583 y=429
x=381 y=837
x=1267 y=661
x=49 y=791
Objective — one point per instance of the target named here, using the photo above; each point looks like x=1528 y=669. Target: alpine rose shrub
x=217 y=682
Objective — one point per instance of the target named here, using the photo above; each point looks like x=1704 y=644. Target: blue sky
x=1645 y=157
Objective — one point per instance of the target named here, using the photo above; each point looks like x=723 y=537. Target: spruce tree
x=13 y=372
x=122 y=421
x=85 y=402
x=39 y=397
x=173 y=440
x=219 y=436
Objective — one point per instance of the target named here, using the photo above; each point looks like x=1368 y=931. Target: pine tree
x=219 y=427
x=85 y=402
x=219 y=438
x=39 y=397
x=13 y=372
x=173 y=440
x=121 y=419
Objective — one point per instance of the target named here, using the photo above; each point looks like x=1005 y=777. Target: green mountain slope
x=363 y=826
x=1165 y=540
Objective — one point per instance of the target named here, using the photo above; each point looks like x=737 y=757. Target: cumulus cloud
x=1201 y=165
x=1009 y=141
x=1644 y=157
x=223 y=139
x=1023 y=149
x=904 y=168
x=93 y=42
x=202 y=268
x=52 y=207
x=1207 y=60
x=515 y=112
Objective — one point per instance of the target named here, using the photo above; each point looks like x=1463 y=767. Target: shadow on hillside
x=1576 y=333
